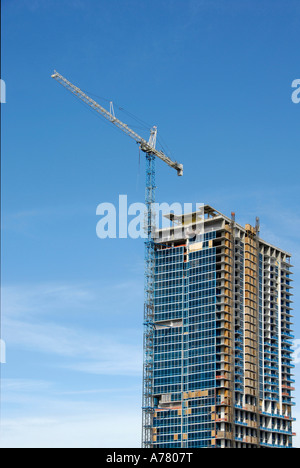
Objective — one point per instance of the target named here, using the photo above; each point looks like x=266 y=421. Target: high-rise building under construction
x=221 y=370
x=217 y=342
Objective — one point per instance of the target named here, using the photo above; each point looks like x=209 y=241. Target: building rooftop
x=208 y=214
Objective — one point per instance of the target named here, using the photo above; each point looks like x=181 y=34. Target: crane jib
x=144 y=145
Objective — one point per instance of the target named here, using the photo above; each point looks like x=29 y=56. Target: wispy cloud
x=40 y=318
x=77 y=349
x=296 y=354
x=102 y=429
x=28 y=300
x=49 y=417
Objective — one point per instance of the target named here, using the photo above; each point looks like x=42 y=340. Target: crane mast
x=148 y=147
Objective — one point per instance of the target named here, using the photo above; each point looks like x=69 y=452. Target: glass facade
x=184 y=345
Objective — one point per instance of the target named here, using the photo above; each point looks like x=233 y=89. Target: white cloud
x=296 y=354
x=82 y=350
x=19 y=386
x=84 y=411
x=50 y=418
x=52 y=318
x=100 y=430
x=30 y=300
x=26 y=300
x=296 y=429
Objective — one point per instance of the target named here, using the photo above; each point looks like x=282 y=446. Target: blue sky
x=215 y=77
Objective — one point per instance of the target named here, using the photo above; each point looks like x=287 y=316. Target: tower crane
x=148 y=147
